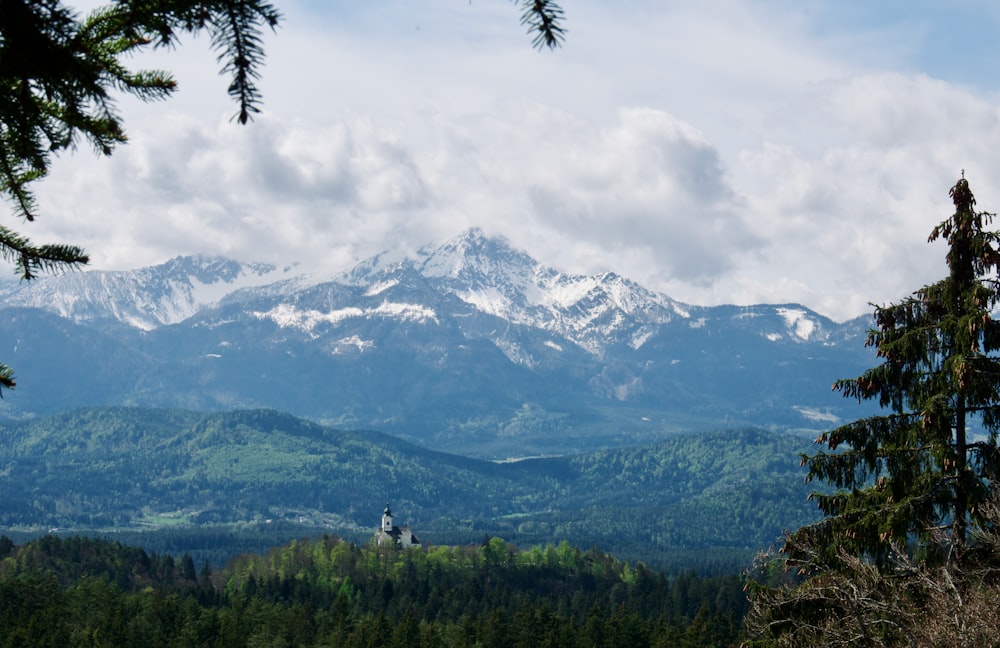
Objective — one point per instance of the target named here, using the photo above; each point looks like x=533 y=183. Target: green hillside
x=717 y=497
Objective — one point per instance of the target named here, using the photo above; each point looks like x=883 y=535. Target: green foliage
x=706 y=501
x=906 y=554
x=330 y=592
x=926 y=465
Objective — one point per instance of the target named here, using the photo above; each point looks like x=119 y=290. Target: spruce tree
x=912 y=483
x=918 y=471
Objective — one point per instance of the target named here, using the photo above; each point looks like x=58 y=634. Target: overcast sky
x=725 y=151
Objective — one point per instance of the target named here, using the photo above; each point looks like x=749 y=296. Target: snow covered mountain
x=590 y=311
x=469 y=345
x=145 y=298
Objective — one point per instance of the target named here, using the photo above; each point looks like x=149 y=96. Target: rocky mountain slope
x=469 y=346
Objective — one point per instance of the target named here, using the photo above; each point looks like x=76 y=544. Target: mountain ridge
x=469 y=261
x=161 y=295
x=469 y=345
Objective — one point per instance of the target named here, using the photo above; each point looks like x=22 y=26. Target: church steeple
x=394 y=536
x=387 y=519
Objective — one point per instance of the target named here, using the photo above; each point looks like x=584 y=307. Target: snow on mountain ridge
x=496 y=279
x=145 y=298
x=594 y=312
x=502 y=281
x=797 y=322
x=489 y=300
x=380 y=287
x=288 y=316
x=472 y=256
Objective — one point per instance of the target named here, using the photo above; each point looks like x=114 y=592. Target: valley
x=706 y=501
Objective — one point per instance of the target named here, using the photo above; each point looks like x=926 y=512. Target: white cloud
x=748 y=151
x=850 y=221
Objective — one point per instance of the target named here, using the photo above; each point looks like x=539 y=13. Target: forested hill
x=326 y=592
x=718 y=496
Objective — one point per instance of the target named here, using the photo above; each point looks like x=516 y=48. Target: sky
x=720 y=152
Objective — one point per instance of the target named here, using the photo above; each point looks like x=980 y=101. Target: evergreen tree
x=913 y=484
x=922 y=470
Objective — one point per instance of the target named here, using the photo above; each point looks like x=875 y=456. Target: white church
x=390 y=534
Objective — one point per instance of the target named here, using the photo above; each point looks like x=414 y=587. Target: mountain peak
x=210 y=270
x=473 y=256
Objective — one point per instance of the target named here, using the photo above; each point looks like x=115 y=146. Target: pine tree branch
x=544 y=19
x=31 y=260
x=6 y=378
x=236 y=35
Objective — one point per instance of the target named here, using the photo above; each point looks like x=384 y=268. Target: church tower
x=387 y=520
x=390 y=534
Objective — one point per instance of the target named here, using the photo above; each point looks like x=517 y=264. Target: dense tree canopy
x=326 y=592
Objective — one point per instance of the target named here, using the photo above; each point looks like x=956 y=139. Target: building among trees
x=390 y=534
